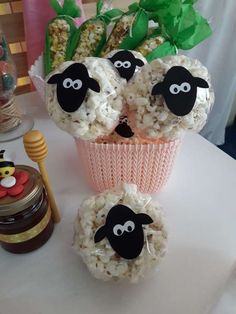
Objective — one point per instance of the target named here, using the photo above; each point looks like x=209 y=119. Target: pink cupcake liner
x=147 y=165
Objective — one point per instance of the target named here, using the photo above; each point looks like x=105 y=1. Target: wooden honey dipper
x=37 y=150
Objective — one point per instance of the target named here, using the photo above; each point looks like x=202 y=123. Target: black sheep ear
x=144 y=219
x=201 y=82
x=100 y=234
x=54 y=79
x=157 y=89
x=93 y=84
x=139 y=62
x=111 y=59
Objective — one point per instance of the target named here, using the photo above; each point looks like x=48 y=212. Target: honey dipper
x=37 y=150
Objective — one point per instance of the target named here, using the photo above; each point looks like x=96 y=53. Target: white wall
x=218 y=53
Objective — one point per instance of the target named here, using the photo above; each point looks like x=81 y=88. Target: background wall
x=218 y=53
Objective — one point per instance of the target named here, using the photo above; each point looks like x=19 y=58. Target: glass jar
x=7 y=72
x=13 y=124
x=25 y=220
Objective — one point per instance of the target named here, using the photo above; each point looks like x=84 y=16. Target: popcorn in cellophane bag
x=67 y=40
x=85 y=98
x=128 y=110
x=112 y=29
x=120 y=234
x=168 y=96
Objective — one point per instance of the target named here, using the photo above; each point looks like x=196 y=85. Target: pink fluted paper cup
x=147 y=165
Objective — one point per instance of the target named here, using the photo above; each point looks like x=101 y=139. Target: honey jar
x=25 y=215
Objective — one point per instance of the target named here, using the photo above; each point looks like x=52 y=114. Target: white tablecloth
x=199 y=201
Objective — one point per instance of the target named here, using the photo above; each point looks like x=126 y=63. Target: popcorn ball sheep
x=97 y=110
x=135 y=229
x=150 y=108
x=127 y=62
x=72 y=86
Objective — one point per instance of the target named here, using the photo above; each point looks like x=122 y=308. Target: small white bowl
x=36 y=74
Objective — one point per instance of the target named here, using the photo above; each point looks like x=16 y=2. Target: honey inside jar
x=25 y=219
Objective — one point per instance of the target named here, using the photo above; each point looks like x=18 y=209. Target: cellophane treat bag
x=121 y=234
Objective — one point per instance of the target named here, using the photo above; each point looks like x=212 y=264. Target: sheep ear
x=144 y=219
x=157 y=89
x=139 y=62
x=112 y=59
x=93 y=84
x=100 y=234
x=54 y=79
x=201 y=82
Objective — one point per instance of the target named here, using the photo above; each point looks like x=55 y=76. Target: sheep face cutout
x=124 y=231
x=123 y=129
x=72 y=86
x=179 y=90
x=126 y=63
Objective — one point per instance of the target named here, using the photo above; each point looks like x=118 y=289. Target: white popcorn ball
x=102 y=261
x=166 y=124
x=99 y=112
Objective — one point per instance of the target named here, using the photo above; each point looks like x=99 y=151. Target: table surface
x=199 y=201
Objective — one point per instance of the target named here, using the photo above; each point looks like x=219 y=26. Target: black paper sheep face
x=179 y=90
x=126 y=63
x=72 y=86
x=124 y=231
x=123 y=129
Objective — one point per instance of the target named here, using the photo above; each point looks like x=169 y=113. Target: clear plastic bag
x=99 y=92
x=101 y=258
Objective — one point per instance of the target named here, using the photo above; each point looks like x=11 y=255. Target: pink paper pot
x=147 y=165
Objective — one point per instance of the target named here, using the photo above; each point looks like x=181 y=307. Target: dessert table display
x=129 y=102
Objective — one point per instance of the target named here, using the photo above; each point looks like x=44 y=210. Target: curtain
x=218 y=54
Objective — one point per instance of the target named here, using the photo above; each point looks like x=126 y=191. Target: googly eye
x=118 y=64
x=126 y=64
x=67 y=83
x=123 y=119
x=118 y=230
x=185 y=87
x=174 y=89
x=77 y=84
x=129 y=226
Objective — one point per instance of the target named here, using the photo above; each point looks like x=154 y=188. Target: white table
x=200 y=204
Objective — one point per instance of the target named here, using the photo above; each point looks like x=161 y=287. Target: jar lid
x=10 y=205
